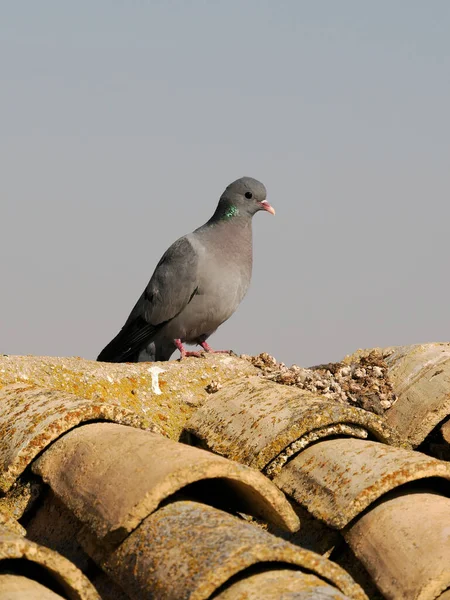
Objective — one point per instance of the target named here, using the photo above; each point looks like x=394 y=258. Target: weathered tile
x=445 y=430
x=313 y=534
x=9 y=522
x=258 y=422
x=280 y=585
x=404 y=543
x=112 y=477
x=53 y=525
x=165 y=394
x=337 y=479
x=189 y=550
x=420 y=376
x=64 y=574
x=31 y=418
x=18 y=587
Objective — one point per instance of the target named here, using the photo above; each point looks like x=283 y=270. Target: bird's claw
x=188 y=354
x=202 y=353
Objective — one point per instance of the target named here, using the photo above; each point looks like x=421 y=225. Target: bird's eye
x=248 y=195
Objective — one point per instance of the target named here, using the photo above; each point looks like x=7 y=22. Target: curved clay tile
x=31 y=418
x=163 y=393
x=189 y=550
x=445 y=430
x=9 y=522
x=420 y=377
x=53 y=525
x=111 y=477
x=337 y=479
x=280 y=585
x=255 y=421
x=17 y=587
x=72 y=582
x=313 y=534
x=404 y=543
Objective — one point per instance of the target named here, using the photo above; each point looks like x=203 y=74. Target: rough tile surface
x=31 y=418
x=112 y=477
x=254 y=420
x=337 y=479
x=139 y=516
x=159 y=560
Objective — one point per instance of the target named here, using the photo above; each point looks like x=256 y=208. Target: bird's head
x=244 y=197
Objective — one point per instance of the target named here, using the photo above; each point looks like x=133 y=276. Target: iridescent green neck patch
x=231 y=211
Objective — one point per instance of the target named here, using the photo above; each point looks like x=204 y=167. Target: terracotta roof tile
x=52 y=524
x=337 y=479
x=86 y=467
x=280 y=585
x=445 y=429
x=420 y=376
x=18 y=587
x=7 y=521
x=16 y=551
x=31 y=418
x=404 y=544
x=189 y=550
x=111 y=477
x=256 y=422
x=162 y=394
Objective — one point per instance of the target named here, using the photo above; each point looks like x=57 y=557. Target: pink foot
x=185 y=353
x=206 y=347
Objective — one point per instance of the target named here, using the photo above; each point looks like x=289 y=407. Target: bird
x=197 y=285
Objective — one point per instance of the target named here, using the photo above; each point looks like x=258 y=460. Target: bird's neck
x=228 y=226
x=231 y=238
x=227 y=212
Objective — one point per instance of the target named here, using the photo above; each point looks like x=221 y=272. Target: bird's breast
x=223 y=277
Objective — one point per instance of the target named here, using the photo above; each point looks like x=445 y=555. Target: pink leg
x=184 y=353
x=208 y=348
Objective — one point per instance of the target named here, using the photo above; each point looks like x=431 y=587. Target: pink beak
x=266 y=206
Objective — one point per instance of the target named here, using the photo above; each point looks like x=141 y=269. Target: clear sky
x=122 y=123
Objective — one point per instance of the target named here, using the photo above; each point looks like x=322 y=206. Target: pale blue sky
x=122 y=123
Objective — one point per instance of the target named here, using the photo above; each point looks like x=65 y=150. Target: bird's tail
x=129 y=342
x=115 y=352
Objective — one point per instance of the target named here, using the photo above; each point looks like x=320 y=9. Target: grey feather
x=198 y=283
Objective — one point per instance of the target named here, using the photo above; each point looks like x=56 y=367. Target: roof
x=226 y=477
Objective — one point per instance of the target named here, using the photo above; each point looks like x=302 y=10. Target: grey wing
x=171 y=288
x=173 y=284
